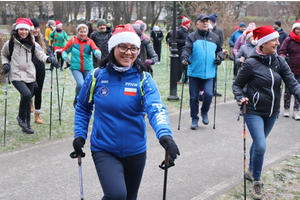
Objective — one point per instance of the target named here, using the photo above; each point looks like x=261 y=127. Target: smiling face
x=35 y=31
x=82 y=32
x=297 y=31
x=102 y=28
x=270 y=47
x=23 y=32
x=127 y=58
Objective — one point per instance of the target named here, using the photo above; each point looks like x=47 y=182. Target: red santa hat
x=185 y=20
x=123 y=34
x=249 y=34
x=24 y=23
x=296 y=24
x=264 y=34
x=58 y=23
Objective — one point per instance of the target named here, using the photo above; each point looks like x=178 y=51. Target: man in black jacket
x=181 y=36
x=282 y=33
x=101 y=37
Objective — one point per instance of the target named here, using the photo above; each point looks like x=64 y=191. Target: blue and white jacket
x=201 y=49
x=119 y=125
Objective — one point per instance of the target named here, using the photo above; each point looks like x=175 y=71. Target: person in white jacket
x=16 y=57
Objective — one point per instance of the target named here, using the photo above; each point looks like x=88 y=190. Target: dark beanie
x=278 y=23
x=213 y=17
x=101 y=22
x=35 y=22
x=242 y=24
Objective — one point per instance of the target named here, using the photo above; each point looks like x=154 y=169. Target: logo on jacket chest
x=131 y=84
x=104 y=91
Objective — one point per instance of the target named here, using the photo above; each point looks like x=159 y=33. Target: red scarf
x=294 y=36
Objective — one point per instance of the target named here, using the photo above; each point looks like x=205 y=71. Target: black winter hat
x=35 y=22
x=278 y=23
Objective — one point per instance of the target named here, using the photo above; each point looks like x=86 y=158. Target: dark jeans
x=259 y=128
x=195 y=84
x=120 y=178
x=26 y=90
x=40 y=77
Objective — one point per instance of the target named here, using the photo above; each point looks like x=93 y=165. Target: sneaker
x=286 y=112
x=205 y=119
x=217 y=94
x=256 y=192
x=28 y=130
x=248 y=175
x=201 y=97
x=158 y=63
x=22 y=123
x=296 y=115
x=194 y=124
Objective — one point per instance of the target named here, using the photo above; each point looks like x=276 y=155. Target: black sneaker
x=28 y=130
x=22 y=123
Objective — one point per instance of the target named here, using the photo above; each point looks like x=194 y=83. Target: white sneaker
x=286 y=112
x=158 y=63
x=296 y=115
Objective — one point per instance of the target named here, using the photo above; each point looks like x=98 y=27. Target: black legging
x=157 y=49
x=59 y=58
x=26 y=90
x=38 y=87
x=120 y=178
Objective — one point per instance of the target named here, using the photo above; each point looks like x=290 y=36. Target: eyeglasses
x=124 y=49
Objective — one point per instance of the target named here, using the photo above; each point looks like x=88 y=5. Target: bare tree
x=156 y=8
x=127 y=8
x=88 y=8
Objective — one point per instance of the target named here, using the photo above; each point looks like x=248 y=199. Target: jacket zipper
x=205 y=50
x=26 y=56
x=273 y=99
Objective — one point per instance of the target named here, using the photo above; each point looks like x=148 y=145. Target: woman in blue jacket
x=122 y=94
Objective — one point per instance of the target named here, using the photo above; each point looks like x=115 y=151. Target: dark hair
x=106 y=62
x=28 y=40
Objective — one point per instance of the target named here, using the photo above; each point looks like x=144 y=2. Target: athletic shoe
x=28 y=130
x=22 y=123
x=248 y=175
x=194 y=124
x=256 y=192
x=286 y=112
x=205 y=119
x=158 y=63
x=296 y=115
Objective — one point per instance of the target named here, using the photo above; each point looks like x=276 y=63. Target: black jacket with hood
x=264 y=74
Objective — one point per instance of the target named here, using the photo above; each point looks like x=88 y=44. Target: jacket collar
x=203 y=33
x=265 y=59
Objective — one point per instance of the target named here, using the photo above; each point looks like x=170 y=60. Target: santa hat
x=249 y=34
x=185 y=20
x=58 y=23
x=296 y=24
x=123 y=34
x=24 y=23
x=264 y=34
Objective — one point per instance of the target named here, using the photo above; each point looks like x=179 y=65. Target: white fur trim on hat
x=58 y=25
x=296 y=25
x=26 y=26
x=124 y=37
x=249 y=35
x=267 y=38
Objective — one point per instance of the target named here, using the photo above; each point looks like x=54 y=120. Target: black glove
x=231 y=46
x=6 y=68
x=218 y=61
x=287 y=60
x=78 y=143
x=184 y=62
x=169 y=145
x=53 y=61
x=67 y=60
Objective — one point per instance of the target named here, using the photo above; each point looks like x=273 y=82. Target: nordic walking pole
x=5 y=112
x=51 y=69
x=215 y=107
x=226 y=61
x=244 y=112
x=62 y=96
x=166 y=174
x=74 y=155
x=183 y=79
x=59 y=113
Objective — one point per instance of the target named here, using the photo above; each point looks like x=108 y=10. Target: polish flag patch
x=130 y=91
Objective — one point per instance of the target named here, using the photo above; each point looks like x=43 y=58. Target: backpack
x=11 y=45
x=95 y=74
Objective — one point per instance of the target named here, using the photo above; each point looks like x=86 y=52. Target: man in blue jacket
x=203 y=52
x=232 y=41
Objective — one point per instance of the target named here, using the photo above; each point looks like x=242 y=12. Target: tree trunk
x=116 y=13
x=41 y=12
x=88 y=7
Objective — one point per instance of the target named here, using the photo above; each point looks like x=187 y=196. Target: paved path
x=211 y=162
